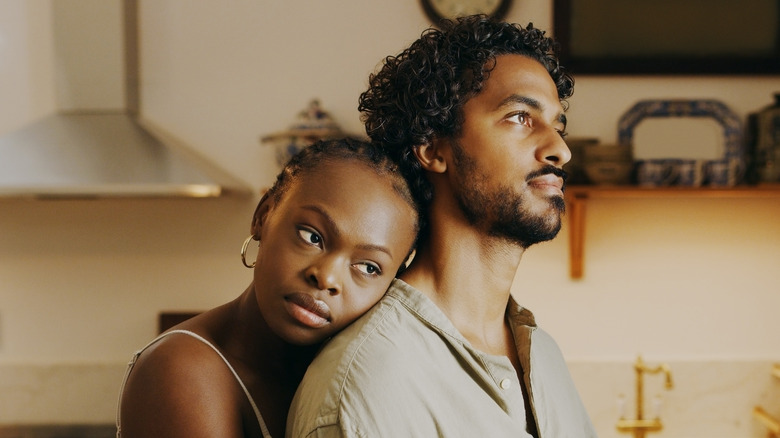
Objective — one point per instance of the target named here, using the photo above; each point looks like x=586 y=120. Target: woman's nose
x=324 y=275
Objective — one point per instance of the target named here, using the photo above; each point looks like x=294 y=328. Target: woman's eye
x=310 y=237
x=368 y=268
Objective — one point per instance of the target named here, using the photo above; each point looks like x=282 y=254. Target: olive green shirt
x=403 y=370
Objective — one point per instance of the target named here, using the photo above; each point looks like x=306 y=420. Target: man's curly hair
x=419 y=94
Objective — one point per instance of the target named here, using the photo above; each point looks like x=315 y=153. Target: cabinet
x=577 y=199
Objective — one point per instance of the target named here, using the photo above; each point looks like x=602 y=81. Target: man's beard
x=501 y=212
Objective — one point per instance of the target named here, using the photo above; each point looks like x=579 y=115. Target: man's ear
x=261 y=214
x=430 y=156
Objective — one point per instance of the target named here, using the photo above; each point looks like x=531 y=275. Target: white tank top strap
x=263 y=428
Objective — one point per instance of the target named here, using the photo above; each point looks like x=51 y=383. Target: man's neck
x=468 y=276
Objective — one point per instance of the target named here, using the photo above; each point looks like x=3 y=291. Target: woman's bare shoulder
x=178 y=355
x=180 y=386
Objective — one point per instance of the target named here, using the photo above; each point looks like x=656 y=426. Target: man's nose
x=553 y=149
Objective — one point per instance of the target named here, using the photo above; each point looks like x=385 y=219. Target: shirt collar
x=429 y=312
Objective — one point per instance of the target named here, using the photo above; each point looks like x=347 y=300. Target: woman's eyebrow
x=326 y=217
x=333 y=226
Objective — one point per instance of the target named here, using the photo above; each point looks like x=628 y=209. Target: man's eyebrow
x=337 y=232
x=531 y=102
x=525 y=100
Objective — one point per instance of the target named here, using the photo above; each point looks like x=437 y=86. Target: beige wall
x=647 y=261
x=26 y=47
x=81 y=282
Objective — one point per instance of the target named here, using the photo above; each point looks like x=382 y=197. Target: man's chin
x=526 y=233
x=559 y=204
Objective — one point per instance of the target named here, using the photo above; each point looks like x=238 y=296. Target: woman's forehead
x=334 y=179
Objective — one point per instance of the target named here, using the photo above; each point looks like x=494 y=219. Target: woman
x=333 y=232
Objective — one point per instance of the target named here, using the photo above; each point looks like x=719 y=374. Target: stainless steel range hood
x=87 y=152
x=96 y=155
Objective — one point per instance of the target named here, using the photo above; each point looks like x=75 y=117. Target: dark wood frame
x=435 y=18
x=655 y=65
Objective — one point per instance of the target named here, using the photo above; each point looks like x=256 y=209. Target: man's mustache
x=546 y=170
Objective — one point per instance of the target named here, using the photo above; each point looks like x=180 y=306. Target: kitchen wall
x=691 y=282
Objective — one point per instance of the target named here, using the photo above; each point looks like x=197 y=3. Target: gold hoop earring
x=243 y=252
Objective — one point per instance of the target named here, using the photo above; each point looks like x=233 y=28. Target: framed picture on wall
x=669 y=36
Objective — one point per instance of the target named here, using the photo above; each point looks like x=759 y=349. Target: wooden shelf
x=577 y=197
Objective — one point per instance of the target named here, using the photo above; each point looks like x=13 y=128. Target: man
x=474 y=114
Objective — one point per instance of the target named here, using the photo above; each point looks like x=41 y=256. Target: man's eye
x=368 y=268
x=310 y=237
x=522 y=118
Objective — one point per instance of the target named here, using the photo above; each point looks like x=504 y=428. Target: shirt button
x=505 y=384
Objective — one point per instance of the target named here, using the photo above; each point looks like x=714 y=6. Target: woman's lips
x=308 y=310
